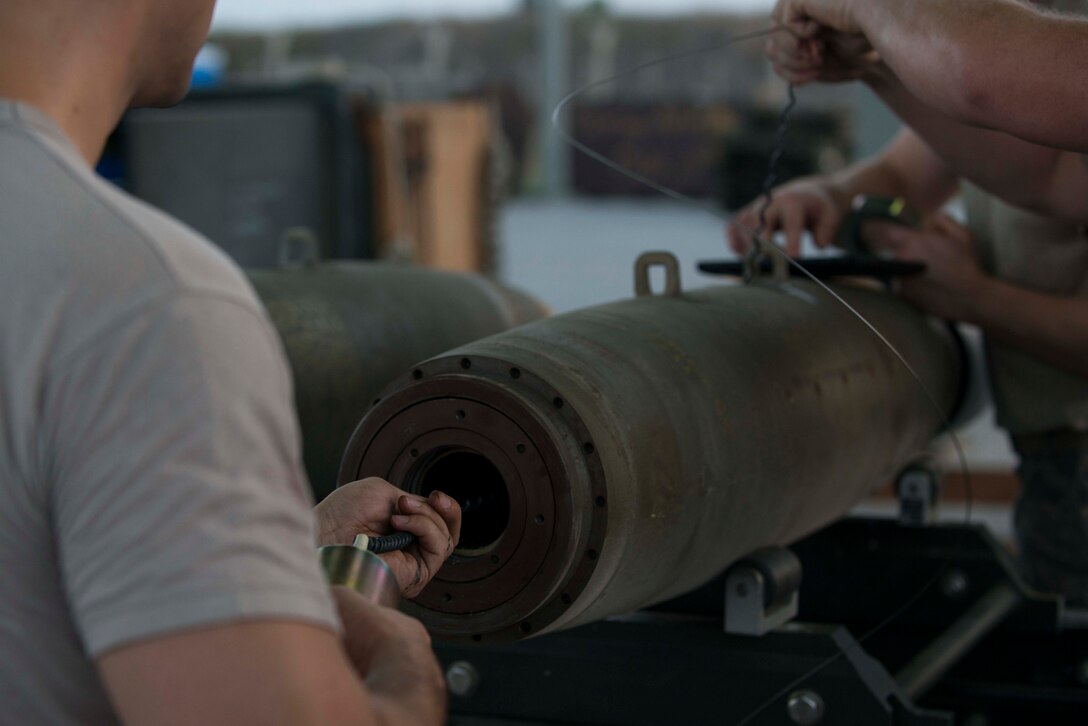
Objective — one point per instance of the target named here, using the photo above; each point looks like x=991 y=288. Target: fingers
x=847 y=45
x=944 y=224
x=794 y=55
x=795 y=19
x=742 y=227
x=362 y=506
x=797 y=54
x=371 y=492
x=793 y=226
x=893 y=240
x=434 y=540
x=373 y=633
x=827 y=224
x=374 y=506
x=377 y=621
x=738 y=241
x=796 y=61
x=807 y=18
x=827 y=55
x=450 y=511
x=434 y=532
x=795 y=208
x=797 y=78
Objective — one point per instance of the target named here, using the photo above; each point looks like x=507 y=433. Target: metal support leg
x=949 y=647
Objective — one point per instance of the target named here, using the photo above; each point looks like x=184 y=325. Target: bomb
x=614 y=457
x=350 y=327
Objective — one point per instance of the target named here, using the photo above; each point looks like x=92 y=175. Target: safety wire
x=763 y=247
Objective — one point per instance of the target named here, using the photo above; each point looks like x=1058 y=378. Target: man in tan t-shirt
x=156 y=531
x=1021 y=277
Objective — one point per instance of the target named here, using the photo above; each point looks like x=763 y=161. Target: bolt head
x=805 y=708
x=955 y=584
x=462 y=678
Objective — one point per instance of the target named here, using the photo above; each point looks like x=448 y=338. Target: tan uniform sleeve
x=178 y=496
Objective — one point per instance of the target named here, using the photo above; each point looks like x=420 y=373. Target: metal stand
x=974 y=643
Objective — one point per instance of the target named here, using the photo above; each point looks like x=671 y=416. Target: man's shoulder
x=183 y=258
x=81 y=254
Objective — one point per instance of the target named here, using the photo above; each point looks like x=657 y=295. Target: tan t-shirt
x=150 y=476
x=1046 y=255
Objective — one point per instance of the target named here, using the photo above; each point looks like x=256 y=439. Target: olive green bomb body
x=621 y=455
x=349 y=328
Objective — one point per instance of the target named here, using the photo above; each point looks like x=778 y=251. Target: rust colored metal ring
x=538 y=564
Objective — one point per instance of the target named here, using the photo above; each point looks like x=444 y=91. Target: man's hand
x=392 y=653
x=829 y=58
x=811 y=203
x=953 y=282
x=806 y=18
x=376 y=507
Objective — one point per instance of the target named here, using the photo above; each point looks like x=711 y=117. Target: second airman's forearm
x=991 y=63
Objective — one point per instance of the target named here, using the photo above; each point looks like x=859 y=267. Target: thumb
x=945 y=225
x=888 y=238
x=826 y=224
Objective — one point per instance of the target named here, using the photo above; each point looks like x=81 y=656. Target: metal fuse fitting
x=362 y=571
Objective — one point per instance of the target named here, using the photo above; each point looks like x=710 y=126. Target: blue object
x=210 y=67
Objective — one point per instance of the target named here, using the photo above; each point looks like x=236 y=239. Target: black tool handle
x=390 y=543
x=825 y=267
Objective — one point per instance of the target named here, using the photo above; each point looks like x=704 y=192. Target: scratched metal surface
x=575 y=253
x=706 y=426
x=349 y=328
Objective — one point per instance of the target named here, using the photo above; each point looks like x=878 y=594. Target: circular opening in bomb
x=478 y=487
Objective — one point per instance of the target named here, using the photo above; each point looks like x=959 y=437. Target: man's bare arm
x=993 y=63
x=273 y=673
x=1052 y=328
x=1026 y=174
x=906 y=168
x=1043 y=179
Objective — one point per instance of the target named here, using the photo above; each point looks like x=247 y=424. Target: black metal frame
x=351 y=203
x=969 y=640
